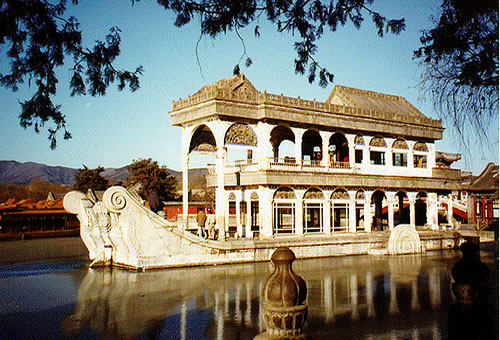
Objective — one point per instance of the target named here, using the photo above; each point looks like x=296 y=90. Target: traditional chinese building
x=483 y=198
x=358 y=162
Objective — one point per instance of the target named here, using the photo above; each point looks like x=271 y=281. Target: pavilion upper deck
x=235 y=98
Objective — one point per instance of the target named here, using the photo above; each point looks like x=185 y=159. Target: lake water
x=359 y=297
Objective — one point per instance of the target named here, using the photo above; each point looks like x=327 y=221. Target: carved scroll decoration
x=241 y=134
x=340 y=194
x=284 y=193
x=419 y=146
x=314 y=194
x=378 y=141
x=400 y=144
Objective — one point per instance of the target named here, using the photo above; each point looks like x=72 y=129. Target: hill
x=24 y=173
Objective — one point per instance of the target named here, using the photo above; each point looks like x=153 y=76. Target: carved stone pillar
x=185 y=189
x=220 y=202
x=412 y=196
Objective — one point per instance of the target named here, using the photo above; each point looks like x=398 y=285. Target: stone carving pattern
x=284 y=193
x=360 y=195
x=404 y=239
x=378 y=141
x=359 y=140
x=420 y=147
x=314 y=194
x=254 y=196
x=240 y=134
x=340 y=195
x=232 y=197
x=400 y=144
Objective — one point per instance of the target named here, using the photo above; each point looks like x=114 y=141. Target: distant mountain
x=24 y=173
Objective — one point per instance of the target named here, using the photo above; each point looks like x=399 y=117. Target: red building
x=26 y=218
x=483 y=198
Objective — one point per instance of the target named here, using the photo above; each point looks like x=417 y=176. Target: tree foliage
x=39 y=38
x=148 y=176
x=86 y=179
x=460 y=59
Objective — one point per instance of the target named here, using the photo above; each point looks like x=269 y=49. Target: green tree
x=86 y=179
x=41 y=36
x=148 y=176
x=460 y=60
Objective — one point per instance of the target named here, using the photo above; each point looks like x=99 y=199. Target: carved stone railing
x=281 y=100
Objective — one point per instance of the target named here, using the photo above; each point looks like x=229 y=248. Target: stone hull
x=121 y=231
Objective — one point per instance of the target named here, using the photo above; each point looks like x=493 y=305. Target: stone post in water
x=284 y=292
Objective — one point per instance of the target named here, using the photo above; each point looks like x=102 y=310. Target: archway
x=421 y=209
x=311 y=147
x=338 y=150
x=402 y=209
x=379 y=219
x=279 y=134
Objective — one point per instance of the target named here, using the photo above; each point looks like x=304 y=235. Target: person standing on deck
x=201 y=218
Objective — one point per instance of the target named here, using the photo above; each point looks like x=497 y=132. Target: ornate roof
x=235 y=84
x=487 y=180
x=370 y=100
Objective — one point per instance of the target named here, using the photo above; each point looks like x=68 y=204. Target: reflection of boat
x=120 y=231
x=349 y=297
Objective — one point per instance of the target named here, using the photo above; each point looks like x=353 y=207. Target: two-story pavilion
x=360 y=161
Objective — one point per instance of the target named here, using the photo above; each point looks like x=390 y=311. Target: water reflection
x=402 y=297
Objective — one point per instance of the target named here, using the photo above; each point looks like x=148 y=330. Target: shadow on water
x=361 y=297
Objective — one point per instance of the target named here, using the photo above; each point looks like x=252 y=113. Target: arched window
x=401 y=209
x=313 y=211
x=421 y=209
x=377 y=152
x=232 y=222
x=284 y=211
x=359 y=143
x=399 y=153
x=240 y=141
x=420 y=155
x=340 y=210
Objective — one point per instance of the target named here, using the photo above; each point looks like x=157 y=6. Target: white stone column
x=432 y=210
x=239 y=227
x=324 y=148
x=368 y=216
x=412 y=196
x=388 y=153
x=350 y=143
x=299 y=219
x=327 y=211
x=352 y=213
x=298 y=143
x=264 y=147
x=390 y=209
x=220 y=201
x=266 y=208
x=185 y=189
x=450 y=210
x=248 y=224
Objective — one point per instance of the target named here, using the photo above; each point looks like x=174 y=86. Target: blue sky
x=115 y=129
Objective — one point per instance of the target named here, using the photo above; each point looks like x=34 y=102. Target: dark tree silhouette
x=40 y=37
x=149 y=177
x=460 y=60
x=86 y=179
